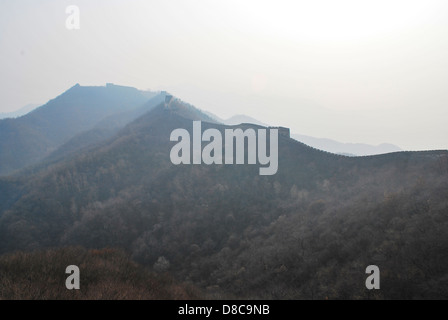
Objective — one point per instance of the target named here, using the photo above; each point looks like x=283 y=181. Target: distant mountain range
x=348 y=149
x=329 y=145
x=72 y=121
x=18 y=113
x=101 y=178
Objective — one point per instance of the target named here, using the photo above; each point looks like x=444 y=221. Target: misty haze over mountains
x=325 y=144
x=91 y=178
x=83 y=115
x=28 y=139
x=329 y=145
x=230 y=150
x=18 y=113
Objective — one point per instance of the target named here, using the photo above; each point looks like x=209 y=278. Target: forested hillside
x=106 y=274
x=308 y=231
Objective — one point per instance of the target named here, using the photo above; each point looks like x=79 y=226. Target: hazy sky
x=355 y=71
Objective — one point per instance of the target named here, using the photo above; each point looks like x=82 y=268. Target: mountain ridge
x=306 y=232
x=324 y=144
x=28 y=139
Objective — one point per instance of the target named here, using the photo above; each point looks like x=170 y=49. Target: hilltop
x=28 y=139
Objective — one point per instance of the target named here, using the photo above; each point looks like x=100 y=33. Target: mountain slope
x=308 y=231
x=28 y=139
x=103 y=130
x=111 y=275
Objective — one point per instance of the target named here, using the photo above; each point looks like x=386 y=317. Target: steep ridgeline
x=28 y=139
x=105 y=129
x=309 y=231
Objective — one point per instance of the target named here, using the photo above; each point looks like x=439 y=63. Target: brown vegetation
x=105 y=274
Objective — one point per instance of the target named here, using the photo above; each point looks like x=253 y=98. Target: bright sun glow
x=329 y=20
x=364 y=63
